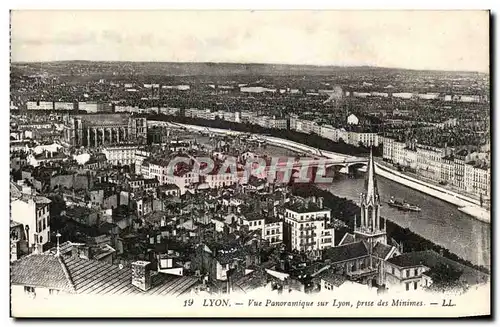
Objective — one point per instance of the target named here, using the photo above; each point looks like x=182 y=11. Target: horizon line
x=250 y=63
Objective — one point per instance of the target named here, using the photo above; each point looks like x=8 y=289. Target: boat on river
x=403 y=205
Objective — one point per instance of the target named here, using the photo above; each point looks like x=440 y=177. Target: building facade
x=120 y=154
x=34 y=213
x=94 y=130
x=309 y=226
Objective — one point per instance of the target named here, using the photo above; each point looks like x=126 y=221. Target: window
x=415 y=285
x=407 y=273
x=29 y=290
x=416 y=271
x=53 y=292
x=393 y=271
x=407 y=286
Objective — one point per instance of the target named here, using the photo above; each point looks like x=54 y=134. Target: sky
x=436 y=40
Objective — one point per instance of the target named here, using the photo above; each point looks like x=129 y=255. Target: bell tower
x=370 y=229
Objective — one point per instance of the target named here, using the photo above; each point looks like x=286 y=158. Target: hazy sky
x=448 y=40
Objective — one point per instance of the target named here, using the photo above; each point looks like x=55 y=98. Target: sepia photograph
x=250 y=163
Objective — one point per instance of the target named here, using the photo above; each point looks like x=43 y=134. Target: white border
x=195 y=4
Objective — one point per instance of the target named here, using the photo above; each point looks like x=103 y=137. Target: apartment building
x=122 y=154
x=33 y=212
x=308 y=225
x=273 y=231
x=429 y=162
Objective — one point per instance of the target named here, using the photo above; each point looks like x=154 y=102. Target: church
x=362 y=255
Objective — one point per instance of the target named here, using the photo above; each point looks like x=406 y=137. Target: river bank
x=466 y=204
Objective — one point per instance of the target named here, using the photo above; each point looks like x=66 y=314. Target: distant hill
x=201 y=69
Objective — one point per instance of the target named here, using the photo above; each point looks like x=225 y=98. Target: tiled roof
x=345 y=252
x=91 y=277
x=253 y=280
x=14 y=223
x=15 y=190
x=43 y=271
x=381 y=250
x=347 y=239
x=332 y=278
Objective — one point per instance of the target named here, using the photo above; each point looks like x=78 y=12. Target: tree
x=445 y=278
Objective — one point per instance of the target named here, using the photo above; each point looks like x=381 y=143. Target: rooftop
x=76 y=275
x=382 y=250
x=304 y=206
x=432 y=259
x=332 y=278
x=345 y=252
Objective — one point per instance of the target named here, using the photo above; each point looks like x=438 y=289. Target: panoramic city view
x=202 y=176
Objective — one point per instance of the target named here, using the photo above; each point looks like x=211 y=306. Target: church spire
x=371 y=183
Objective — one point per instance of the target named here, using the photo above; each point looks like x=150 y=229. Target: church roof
x=345 y=252
x=348 y=238
x=382 y=250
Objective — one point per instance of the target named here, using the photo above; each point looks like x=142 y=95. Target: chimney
x=81 y=251
x=141 y=276
x=38 y=248
x=320 y=202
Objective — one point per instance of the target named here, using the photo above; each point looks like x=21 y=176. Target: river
x=439 y=221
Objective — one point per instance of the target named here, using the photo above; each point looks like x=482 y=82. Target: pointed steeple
x=371 y=182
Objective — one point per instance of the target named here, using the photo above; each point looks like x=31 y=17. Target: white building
x=387 y=148
x=123 y=154
x=352 y=119
x=366 y=139
x=216 y=179
x=39 y=105
x=329 y=132
x=88 y=106
x=402 y=95
x=277 y=123
x=33 y=211
x=429 y=161
x=273 y=231
x=170 y=111
x=139 y=156
x=254 y=222
x=308 y=223
x=64 y=106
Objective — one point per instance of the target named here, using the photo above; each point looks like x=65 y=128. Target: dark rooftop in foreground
x=76 y=275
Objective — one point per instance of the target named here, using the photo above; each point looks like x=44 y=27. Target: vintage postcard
x=250 y=164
